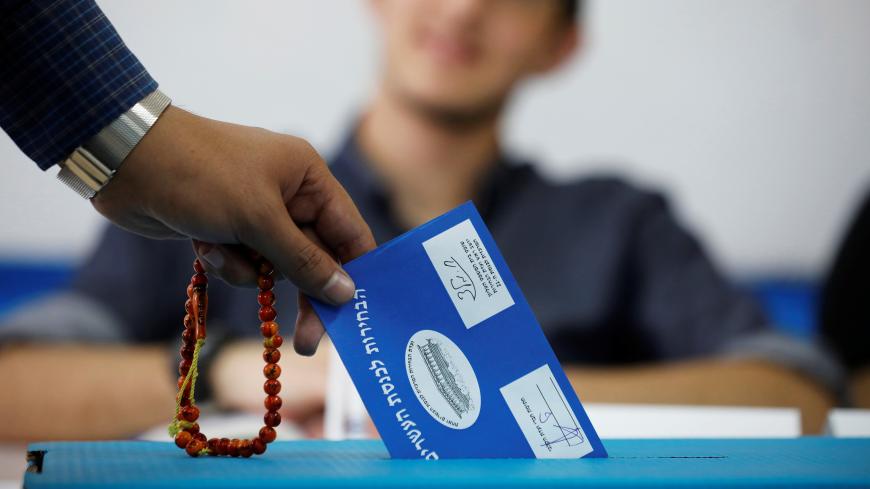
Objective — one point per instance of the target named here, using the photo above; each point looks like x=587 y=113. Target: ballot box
x=799 y=462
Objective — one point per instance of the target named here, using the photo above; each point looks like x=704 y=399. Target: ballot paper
x=446 y=354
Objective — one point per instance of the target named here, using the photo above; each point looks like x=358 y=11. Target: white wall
x=754 y=116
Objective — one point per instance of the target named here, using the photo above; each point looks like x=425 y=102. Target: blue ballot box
x=801 y=462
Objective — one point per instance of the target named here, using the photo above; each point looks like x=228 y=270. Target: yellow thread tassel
x=180 y=424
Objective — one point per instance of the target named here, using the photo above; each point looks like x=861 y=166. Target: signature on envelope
x=569 y=434
x=461 y=282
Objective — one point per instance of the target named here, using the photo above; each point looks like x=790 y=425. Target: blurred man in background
x=630 y=302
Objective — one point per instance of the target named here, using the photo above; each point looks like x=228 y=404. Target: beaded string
x=184 y=428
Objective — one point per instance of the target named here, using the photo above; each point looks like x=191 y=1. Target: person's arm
x=82 y=392
x=65 y=75
x=680 y=306
x=66 y=373
x=683 y=308
x=237 y=382
x=719 y=382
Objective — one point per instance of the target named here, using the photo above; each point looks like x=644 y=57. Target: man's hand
x=238 y=384
x=231 y=187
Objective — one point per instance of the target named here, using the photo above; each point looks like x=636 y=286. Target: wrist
x=93 y=164
x=150 y=193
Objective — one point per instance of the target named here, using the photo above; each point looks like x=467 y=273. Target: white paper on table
x=345 y=416
x=671 y=421
x=849 y=423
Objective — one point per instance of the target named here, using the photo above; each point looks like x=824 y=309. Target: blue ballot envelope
x=447 y=355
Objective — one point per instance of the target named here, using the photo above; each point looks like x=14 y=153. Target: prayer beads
x=184 y=428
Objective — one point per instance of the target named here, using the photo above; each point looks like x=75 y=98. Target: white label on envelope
x=543 y=414
x=468 y=273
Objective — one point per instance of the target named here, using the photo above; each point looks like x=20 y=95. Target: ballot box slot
x=672 y=457
x=34 y=461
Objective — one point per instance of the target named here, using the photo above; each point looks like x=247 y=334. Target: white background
x=753 y=116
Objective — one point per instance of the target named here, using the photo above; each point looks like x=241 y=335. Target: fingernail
x=339 y=288
x=212 y=256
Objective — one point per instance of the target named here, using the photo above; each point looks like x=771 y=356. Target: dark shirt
x=611 y=275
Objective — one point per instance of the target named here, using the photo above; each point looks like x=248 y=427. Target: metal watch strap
x=90 y=167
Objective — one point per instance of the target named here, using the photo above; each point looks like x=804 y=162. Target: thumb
x=300 y=259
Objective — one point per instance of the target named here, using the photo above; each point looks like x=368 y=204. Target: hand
x=231 y=187
x=237 y=382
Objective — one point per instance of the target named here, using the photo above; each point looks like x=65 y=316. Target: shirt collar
x=354 y=171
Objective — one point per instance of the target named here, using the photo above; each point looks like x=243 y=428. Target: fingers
x=312 y=426
x=294 y=255
x=309 y=329
x=341 y=227
x=333 y=216
x=226 y=262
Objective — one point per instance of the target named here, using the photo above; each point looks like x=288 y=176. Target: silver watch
x=90 y=167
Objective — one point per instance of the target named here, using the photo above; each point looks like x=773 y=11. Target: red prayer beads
x=184 y=428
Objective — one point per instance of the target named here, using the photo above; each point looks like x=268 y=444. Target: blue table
x=633 y=463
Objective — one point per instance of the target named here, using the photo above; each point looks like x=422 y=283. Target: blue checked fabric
x=64 y=75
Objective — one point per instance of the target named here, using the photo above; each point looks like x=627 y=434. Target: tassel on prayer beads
x=184 y=428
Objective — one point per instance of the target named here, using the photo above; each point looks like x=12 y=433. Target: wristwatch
x=90 y=167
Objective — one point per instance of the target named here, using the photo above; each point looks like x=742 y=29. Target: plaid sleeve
x=64 y=75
